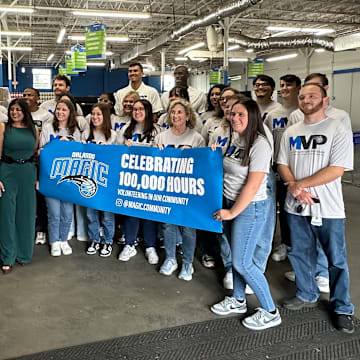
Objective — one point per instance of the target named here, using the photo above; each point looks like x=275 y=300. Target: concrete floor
x=59 y=302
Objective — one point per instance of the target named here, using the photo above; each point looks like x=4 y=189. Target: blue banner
x=181 y=187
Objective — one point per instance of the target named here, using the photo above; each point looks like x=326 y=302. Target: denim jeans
x=81 y=222
x=264 y=243
x=303 y=258
x=281 y=191
x=60 y=214
x=188 y=235
x=322 y=265
x=107 y=222
x=246 y=229
x=131 y=229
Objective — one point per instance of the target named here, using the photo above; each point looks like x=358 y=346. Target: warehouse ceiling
x=154 y=34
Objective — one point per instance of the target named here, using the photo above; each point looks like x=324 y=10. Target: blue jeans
x=303 y=258
x=107 y=222
x=81 y=221
x=246 y=229
x=131 y=229
x=264 y=244
x=60 y=214
x=188 y=235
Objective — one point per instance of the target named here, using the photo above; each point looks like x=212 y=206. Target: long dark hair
x=72 y=99
x=106 y=125
x=219 y=112
x=27 y=120
x=210 y=107
x=71 y=122
x=254 y=127
x=112 y=101
x=179 y=91
x=148 y=125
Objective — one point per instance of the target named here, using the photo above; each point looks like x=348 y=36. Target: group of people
x=291 y=154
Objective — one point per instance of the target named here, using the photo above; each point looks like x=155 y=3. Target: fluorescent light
x=192 y=47
x=27 y=10
x=114 y=14
x=15 y=33
x=108 y=38
x=95 y=64
x=283 y=57
x=109 y=53
x=198 y=59
x=50 y=57
x=61 y=36
x=10 y=48
x=319 y=50
x=68 y=52
x=234 y=47
x=181 y=58
x=236 y=77
x=238 y=59
x=250 y=50
x=304 y=30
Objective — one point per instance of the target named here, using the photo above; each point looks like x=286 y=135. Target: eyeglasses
x=264 y=84
x=138 y=109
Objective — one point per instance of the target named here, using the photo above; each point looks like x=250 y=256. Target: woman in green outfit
x=18 y=143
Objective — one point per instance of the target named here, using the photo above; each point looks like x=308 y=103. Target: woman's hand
x=160 y=146
x=63 y=138
x=128 y=142
x=84 y=142
x=223 y=214
x=2 y=188
x=213 y=147
x=37 y=185
x=185 y=147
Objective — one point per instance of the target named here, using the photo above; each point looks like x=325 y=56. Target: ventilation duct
x=291 y=42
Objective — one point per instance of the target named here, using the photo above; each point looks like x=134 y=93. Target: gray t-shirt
x=330 y=112
x=137 y=136
x=266 y=108
x=48 y=134
x=50 y=105
x=209 y=127
x=308 y=148
x=277 y=121
x=100 y=137
x=163 y=122
x=236 y=175
x=190 y=138
x=40 y=117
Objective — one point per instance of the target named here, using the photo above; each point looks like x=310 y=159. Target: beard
x=313 y=110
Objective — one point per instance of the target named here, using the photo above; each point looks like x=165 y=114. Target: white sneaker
x=290 y=275
x=55 y=249
x=65 y=248
x=280 y=252
x=70 y=235
x=82 y=238
x=127 y=252
x=151 y=255
x=229 y=306
x=323 y=284
x=262 y=320
x=248 y=290
x=228 y=281
x=40 y=238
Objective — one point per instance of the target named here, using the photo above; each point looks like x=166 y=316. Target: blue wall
x=93 y=82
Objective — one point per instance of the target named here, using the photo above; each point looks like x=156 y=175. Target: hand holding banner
x=181 y=187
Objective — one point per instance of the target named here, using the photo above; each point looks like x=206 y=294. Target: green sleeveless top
x=19 y=143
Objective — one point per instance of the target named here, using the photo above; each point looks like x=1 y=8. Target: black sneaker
x=297 y=304
x=93 y=248
x=106 y=250
x=344 y=323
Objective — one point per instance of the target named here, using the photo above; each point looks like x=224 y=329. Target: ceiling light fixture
x=10 y=48
x=15 y=33
x=181 y=58
x=114 y=14
x=192 y=47
x=50 y=57
x=15 y=9
x=200 y=59
x=319 y=50
x=61 y=36
x=108 y=38
x=282 y=57
x=238 y=59
x=234 y=47
x=250 y=51
x=95 y=64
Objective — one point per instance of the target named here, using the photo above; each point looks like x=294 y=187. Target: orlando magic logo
x=87 y=186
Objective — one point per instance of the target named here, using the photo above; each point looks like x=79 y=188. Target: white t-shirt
x=3 y=118
x=197 y=99
x=308 y=148
x=48 y=134
x=3 y=110
x=137 y=136
x=330 y=111
x=206 y=116
x=209 y=127
x=145 y=92
x=277 y=121
x=50 y=105
x=162 y=122
x=117 y=122
x=40 y=117
x=236 y=175
x=100 y=137
x=190 y=138
x=266 y=108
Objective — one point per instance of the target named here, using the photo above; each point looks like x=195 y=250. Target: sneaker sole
x=91 y=253
x=268 y=325
x=105 y=255
x=232 y=311
x=55 y=255
x=168 y=273
x=67 y=253
x=300 y=306
x=127 y=259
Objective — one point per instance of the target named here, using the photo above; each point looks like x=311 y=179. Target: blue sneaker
x=186 y=272
x=168 y=267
